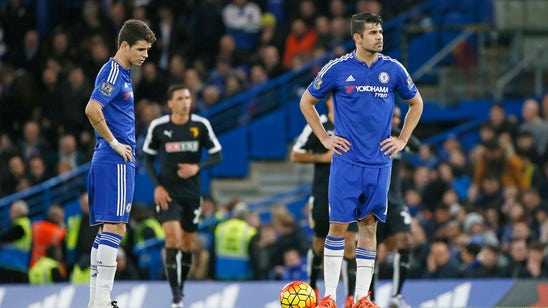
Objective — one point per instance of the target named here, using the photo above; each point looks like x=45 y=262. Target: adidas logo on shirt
x=350 y=78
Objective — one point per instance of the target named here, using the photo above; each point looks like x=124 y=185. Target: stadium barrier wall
x=264 y=294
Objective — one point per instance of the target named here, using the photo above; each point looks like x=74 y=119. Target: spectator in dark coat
x=489 y=264
x=440 y=263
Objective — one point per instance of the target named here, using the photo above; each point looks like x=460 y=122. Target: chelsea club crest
x=384 y=77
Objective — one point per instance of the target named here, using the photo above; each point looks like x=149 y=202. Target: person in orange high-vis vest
x=48 y=232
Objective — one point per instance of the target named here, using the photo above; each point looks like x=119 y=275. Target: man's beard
x=372 y=50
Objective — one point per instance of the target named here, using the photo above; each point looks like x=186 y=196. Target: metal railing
x=58 y=190
x=438 y=57
x=527 y=62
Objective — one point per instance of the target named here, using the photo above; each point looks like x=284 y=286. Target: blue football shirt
x=364 y=99
x=114 y=90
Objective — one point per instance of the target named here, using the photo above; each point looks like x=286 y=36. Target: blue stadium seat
x=205 y=181
x=265 y=216
x=296 y=208
x=477 y=10
x=149 y=258
x=469 y=140
x=235 y=154
x=468 y=5
x=421 y=49
x=72 y=208
x=267 y=136
x=296 y=120
x=144 y=190
x=457 y=18
x=446 y=5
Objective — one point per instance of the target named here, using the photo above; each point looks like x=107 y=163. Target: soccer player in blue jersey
x=111 y=178
x=364 y=84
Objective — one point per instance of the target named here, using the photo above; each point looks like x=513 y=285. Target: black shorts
x=398 y=220
x=319 y=218
x=186 y=211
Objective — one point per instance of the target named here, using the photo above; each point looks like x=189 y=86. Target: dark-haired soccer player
x=363 y=83
x=111 y=179
x=178 y=139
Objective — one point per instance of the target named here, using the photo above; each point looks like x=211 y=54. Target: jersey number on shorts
x=197 y=212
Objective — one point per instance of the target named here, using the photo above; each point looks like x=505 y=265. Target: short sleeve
x=107 y=86
x=324 y=82
x=152 y=143
x=405 y=86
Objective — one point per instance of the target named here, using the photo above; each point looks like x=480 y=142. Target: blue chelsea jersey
x=364 y=99
x=114 y=90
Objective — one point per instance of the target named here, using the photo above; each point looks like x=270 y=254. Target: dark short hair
x=173 y=88
x=491 y=144
x=473 y=248
x=358 y=22
x=525 y=134
x=441 y=240
x=493 y=248
x=488 y=125
x=135 y=30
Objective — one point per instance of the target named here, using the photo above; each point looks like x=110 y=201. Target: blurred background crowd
x=50 y=52
x=477 y=212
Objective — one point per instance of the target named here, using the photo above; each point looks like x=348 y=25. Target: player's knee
x=337 y=230
x=172 y=241
x=317 y=246
x=350 y=242
x=118 y=228
x=173 y=234
x=350 y=251
x=187 y=241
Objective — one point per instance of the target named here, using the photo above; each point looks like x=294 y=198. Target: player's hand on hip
x=337 y=144
x=392 y=145
x=124 y=150
x=161 y=197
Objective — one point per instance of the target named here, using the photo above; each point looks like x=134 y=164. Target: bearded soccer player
x=364 y=84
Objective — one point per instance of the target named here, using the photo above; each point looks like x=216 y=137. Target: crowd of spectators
x=50 y=52
x=481 y=210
